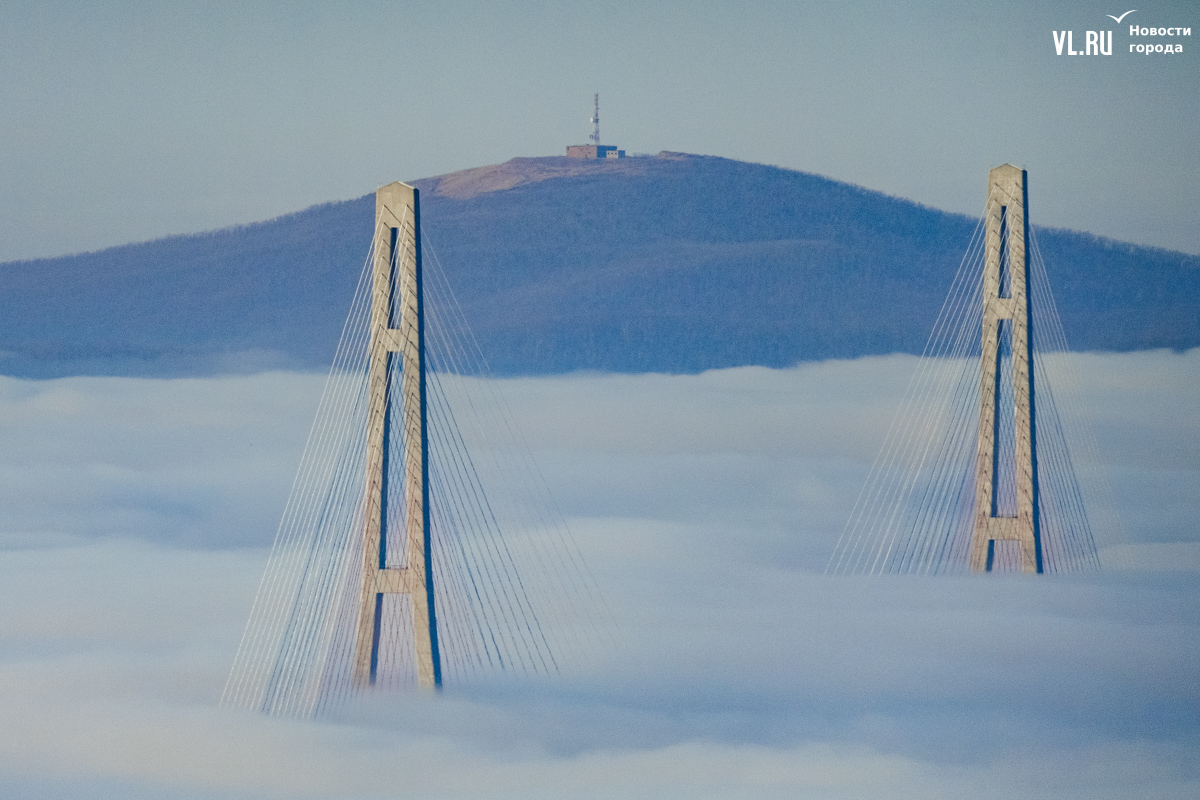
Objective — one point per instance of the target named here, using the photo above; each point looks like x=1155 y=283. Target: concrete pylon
x=396 y=298
x=1006 y=313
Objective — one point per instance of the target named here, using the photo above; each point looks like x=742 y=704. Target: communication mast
x=595 y=137
x=595 y=149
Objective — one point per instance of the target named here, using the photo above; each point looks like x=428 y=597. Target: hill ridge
x=666 y=263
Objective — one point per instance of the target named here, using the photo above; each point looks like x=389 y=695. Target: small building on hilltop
x=594 y=151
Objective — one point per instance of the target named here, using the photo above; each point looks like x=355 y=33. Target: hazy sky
x=127 y=121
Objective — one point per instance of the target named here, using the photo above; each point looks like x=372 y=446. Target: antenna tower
x=595 y=137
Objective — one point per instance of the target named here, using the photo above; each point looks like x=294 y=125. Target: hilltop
x=670 y=263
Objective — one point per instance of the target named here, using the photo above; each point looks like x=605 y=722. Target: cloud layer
x=137 y=516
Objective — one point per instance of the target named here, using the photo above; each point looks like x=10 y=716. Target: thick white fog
x=137 y=515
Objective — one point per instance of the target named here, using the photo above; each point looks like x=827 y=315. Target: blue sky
x=127 y=121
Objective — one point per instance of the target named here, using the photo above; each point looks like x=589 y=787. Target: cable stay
x=979 y=470
x=419 y=545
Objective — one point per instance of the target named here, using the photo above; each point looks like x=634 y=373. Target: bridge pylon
x=397 y=332
x=1006 y=515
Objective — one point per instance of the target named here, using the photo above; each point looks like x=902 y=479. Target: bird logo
x=1123 y=16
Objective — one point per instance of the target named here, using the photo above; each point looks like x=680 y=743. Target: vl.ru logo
x=1095 y=43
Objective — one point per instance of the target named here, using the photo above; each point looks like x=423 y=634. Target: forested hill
x=672 y=263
